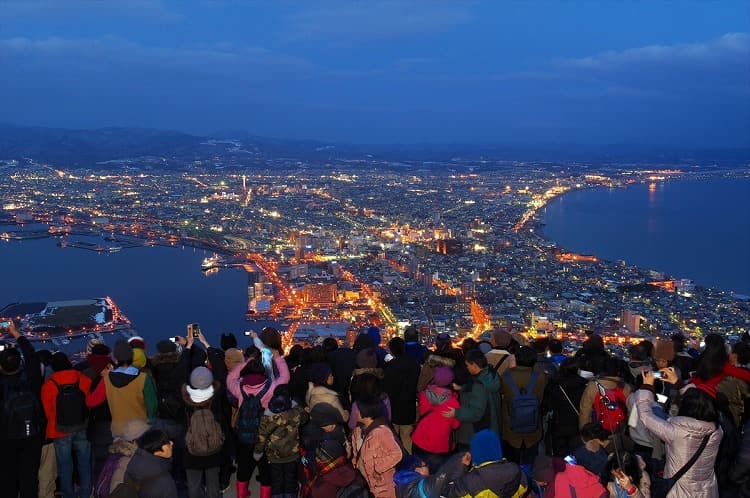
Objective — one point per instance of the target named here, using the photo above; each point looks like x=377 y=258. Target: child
x=376 y=451
x=150 y=466
x=278 y=437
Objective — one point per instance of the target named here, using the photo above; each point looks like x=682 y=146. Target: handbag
x=661 y=486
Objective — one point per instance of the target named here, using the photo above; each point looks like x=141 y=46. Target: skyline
x=516 y=73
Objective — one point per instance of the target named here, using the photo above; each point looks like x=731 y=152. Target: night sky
x=498 y=72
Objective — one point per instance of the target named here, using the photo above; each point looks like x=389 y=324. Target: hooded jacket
x=328 y=484
x=575 y=481
x=152 y=475
x=130 y=394
x=480 y=406
x=433 y=430
x=428 y=369
x=682 y=437
x=408 y=482
x=498 y=479
x=235 y=387
x=278 y=434
x=169 y=371
x=522 y=377
x=49 y=396
x=322 y=394
x=376 y=453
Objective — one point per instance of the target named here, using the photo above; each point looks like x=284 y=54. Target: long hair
x=713 y=358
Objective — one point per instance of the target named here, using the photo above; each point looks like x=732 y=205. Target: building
x=320 y=293
x=631 y=321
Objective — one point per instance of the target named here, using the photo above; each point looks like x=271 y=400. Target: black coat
x=342 y=362
x=564 y=421
x=400 y=383
x=739 y=473
x=152 y=475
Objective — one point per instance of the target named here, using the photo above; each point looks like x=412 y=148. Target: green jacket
x=480 y=406
x=278 y=434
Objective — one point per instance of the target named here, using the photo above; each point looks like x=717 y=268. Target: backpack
x=524 y=407
x=248 y=416
x=71 y=412
x=168 y=386
x=204 y=436
x=610 y=409
x=22 y=414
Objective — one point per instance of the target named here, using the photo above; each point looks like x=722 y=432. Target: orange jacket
x=49 y=396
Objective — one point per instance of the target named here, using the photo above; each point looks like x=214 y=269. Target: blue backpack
x=524 y=407
x=248 y=418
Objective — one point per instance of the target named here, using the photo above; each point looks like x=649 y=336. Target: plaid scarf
x=325 y=469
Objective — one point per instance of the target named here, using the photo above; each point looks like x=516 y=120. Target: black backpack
x=71 y=412
x=248 y=417
x=22 y=416
x=168 y=387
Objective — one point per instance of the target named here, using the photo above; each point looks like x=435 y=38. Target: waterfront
x=160 y=289
x=685 y=228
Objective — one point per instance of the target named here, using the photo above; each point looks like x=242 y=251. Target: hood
x=66 y=377
x=123 y=447
x=405 y=477
x=582 y=477
x=696 y=428
x=203 y=404
x=490 y=381
x=437 y=395
x=144 y=466
x=165 y=358
x=121 y=379
x=378 y=372
x=434 y=360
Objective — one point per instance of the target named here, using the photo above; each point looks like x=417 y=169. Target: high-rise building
x=631 y=321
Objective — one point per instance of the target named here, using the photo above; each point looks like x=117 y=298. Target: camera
x=173 y=339
x=196 y=330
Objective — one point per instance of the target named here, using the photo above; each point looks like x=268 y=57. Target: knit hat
x=166 y=346
x=323 y=414
x=543 y=470
x=93 y=342
x=137 y=342
x=329 y=450
x=59 y=362
x=100 y=349
x=201 y=378
x=98 y=362
x=367 y=359
x=228 y=341
x=374 y=334
x=318 y=373
x=443 y=376
x=233 y=357
x=485 y=447
x=501 y=338
x=280 y=402
x=664 y=350
x=123 y=352
x=134 y=429
x=139 y=358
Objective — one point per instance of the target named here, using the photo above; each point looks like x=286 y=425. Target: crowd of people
x=506 y=418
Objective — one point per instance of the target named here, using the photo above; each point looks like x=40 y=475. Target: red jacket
x=575 y=482
x=49 y=396
x=433 y=429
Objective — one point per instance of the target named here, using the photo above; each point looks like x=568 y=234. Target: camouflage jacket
x=278 y=434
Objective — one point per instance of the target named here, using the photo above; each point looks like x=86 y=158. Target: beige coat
x=321 y=394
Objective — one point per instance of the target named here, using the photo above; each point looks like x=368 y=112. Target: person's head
x=540 y=344
x=374 y=334
x=475 y=361
x=156 y=442
x=525 y=357
x=500 y=338
x=60 y=362
x=663 y=353
x=697 y=404
x=485 y=447
x=555 y=346
x=740 y=353
x=320 y=374
x=367 y=385
x=329 y=451
x=628 y=463
x=713 y=358
x=442 y=342
x=569 y=367
x=123 y=353
x=468 y=344
x=594 y=343
x=397 y=347
x=228 y=341
x=363 y=341
x=543 y=470
x=281 y=400
x=411 y=334
x=413 y=463
x=10 y=361
x=325 y=416
x=443 y=376
x=369 y=409
x=271 y=338
x=367 y=358
x=329 y=344
x=45 y=356
x=593 y=432
x=679 y=342
x=252 y=352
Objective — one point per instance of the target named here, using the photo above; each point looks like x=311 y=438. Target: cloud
x=375 y=20
x=150 y=10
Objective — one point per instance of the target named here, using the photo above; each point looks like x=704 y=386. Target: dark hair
x=742 y=350
x=317 y=355
x=329 y=344
x=628 y=463
x=468 y=344
x=370 y=407
x=397 y=347
x=525 y=357
x=713 y=358
x=153 y=440
x=540 y=344
x=60 y=361
x=679 y=342
x=271 y=338
x=648 y=346
x=696 y=404
x=613 y=367
x=568 y=368
x=639 y=352
x=367 y=385
x=294 y=357
x=44 y=355
x=282 y=390
x=411 y=333
x=476 y=357
x=253 y=366
x=363 y=341
x=252 y=352
x=10 y=360
x=593 y=430
x=555 y=346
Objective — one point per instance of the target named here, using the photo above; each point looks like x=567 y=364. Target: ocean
x=695 y=229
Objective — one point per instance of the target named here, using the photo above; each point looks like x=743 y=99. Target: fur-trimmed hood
x=203 y=404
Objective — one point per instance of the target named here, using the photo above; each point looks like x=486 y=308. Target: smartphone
x=658 y=374
x=661 y=398
x=5 y=324
x=2 y=347
x=248 y=332
x=173 y=339
x=570 y=459
x=196 y=328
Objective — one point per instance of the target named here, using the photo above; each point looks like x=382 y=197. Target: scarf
x=325 y=469
x=200 y=395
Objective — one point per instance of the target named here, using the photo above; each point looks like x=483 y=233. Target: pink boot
x=242 y=491
x=265 y=492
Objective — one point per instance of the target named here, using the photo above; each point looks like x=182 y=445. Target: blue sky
x=384 y=71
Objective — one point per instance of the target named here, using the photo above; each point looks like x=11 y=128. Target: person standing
x=400 y=383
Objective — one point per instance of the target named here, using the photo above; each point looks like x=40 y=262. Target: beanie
x=318 y=373
x=166 y=346
x=485 y=447
x=443 y=376
x=367 y=359
x=100 y=349
x=228 y=341
x=233 y=357
x=137 y=342
x=201 y=378
x=123 y=352
x=139 y=358
x=323 y=414
x=98 y=362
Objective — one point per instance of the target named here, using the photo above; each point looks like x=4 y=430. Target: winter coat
x=522 y=378
x=376 y=454
x=408 y=482
x=491 y=480
x=480 y=406
x=328 y=484
x=589 y=396
x=739 y=473
x=564 y=422
x=417 y=351
x=235 y=387
x=152 y=475
x=169 y=371
x=494 y=355
x=215 y=405
x=575 y=482
x=400 y=382
x=278 y=434
x=682 y=437
x=49 y=396
x=428 y=369
x=736 y=391
x=433 y=430
x=638 y=432
x=643 y=490
x=343 y=363
x=321 y=394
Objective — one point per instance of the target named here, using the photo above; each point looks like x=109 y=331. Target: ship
x=212 y=262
